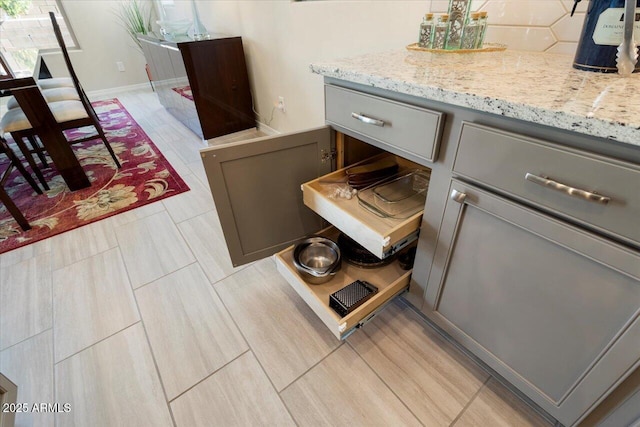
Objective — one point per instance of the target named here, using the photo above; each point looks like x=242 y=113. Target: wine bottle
x=602 y=33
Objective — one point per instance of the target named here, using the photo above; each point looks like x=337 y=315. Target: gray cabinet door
x=552 y=308
x=256 y=189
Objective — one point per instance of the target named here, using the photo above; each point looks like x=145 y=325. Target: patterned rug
x=145 y=177
x=185 y=91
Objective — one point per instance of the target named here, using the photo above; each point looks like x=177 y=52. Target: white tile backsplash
x=536 y=25
x=537 y=39
x=536 y=13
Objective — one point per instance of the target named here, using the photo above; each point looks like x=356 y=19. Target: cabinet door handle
x=457 y=196
x=367 y=120
x=571 y=191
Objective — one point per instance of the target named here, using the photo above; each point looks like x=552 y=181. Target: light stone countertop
x=536 y=87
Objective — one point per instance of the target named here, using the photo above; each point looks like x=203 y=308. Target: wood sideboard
x=204 y=84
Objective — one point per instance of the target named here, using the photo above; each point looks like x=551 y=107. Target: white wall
x=281 y=38
x=102 y=42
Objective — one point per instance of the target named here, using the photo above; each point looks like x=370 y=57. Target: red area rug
x=145 y=177
x=185 y=91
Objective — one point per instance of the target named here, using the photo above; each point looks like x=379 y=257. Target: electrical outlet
x=280 y=105
x=120 y=66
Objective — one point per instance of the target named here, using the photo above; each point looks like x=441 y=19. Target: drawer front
x=518 y=165
x=403 y=129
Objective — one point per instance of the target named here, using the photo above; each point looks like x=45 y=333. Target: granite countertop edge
x=592 y=126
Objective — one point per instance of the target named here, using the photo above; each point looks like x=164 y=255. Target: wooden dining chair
x=53 y=94
x=68 y=114
x=92 y=116
x=39 y=116
x=4 y=196
x=5 y=71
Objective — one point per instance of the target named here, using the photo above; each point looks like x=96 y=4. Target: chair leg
x=39 y=150
x=13 y=210
x=27 y=155
x=106 y=144
x=18 y=164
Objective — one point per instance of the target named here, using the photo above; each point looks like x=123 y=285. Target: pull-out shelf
x=390 y=280
x=381 y=236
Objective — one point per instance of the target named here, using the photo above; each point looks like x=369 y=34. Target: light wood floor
x=141 y=320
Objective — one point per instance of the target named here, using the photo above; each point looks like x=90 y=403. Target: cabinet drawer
x=403 y=129
x=381 y=236
x=502 y=160
x=390 y=280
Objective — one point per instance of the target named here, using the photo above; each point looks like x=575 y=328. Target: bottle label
x=609 y=29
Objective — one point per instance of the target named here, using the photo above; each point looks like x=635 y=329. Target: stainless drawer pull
x=558 y=186
x=457 y=196
x=367 y=120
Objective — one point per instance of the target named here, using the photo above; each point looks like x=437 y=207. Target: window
x=21 y=37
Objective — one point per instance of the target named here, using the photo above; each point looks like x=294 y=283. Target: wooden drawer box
x=390 y=280
x=381 y=236
x=402 y=129
x=551 y=176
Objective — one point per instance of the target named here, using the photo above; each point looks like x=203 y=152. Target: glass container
x=458 y=15
x=425 y=38
x=482 y=30
x=441 y=32
x=470 y=32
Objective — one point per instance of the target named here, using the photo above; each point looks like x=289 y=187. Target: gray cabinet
x=256 y=185
x=551 y=307
x=541 y=285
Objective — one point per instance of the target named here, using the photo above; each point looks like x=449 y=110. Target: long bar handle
x=571 y=191
x=367 y=120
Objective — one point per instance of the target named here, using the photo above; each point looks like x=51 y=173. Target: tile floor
x=141 y=320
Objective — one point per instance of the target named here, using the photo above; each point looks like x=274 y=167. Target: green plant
x=135 y=17
x=14 y=8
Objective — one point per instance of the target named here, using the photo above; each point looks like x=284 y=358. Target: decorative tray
x=488 y=47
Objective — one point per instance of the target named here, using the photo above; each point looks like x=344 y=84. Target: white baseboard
x=266 y=129
x=116 y=90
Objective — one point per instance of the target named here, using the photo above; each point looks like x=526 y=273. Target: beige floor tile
x=30 y=366
x=191 y=203
x=136 y=214
x=343 y=390
x=112 y=383
x=176 y=162
x=82 y=243
x=204 y=236
x=25 y=299
x=497 y=407
x=152 y=247
x=92 y=299
x=238 y=395
x=186 y=144
x=24 y=253
x=197 y=168
x=433 y=378
x=283 y=332
x=190 y=332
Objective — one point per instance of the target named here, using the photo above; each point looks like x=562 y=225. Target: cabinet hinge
x=326 y=155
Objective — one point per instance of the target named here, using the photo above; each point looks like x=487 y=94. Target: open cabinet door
x=256 y=189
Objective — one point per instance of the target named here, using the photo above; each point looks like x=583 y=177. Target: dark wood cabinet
x=204 y=84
